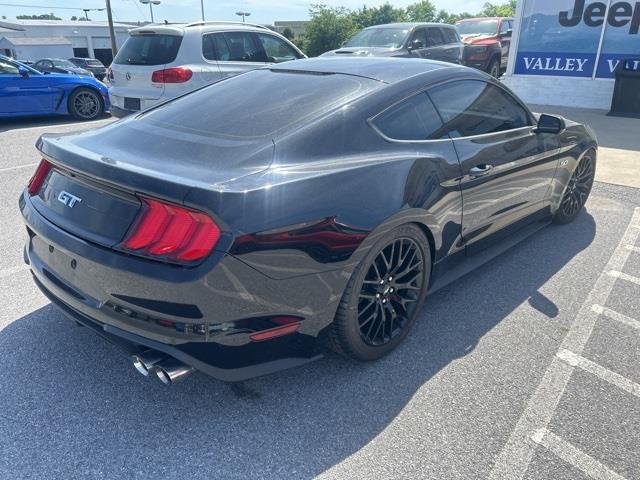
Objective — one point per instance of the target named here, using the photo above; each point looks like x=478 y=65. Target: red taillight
x=172 y=75
x=109 y=73
x=38 y=177
x=287 y=325
x=171 y=232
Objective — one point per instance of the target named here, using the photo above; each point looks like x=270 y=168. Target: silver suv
x=160 y=62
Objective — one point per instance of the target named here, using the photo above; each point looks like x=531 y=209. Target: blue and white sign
x=562 y=37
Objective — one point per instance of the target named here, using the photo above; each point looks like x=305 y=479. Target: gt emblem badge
x=128 y=76
x=67 y=199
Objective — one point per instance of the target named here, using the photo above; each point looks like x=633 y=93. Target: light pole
x=202 y=9
x=87 y=10
x=151 y=4
x=243 y=14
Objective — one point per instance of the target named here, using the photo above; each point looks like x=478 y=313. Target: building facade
x=35 y=39
x=565 y=52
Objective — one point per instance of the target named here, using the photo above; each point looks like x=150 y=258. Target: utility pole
x=112 y=33
x=202 y=9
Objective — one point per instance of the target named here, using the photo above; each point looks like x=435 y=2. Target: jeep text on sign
x=561 y=37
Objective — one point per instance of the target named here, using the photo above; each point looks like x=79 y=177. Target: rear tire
x=383 y=297
x=577 y=190
x=85 y=104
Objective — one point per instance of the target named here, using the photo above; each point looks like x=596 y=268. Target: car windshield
x=379 y=37
x=62 y=63
x=478 y=27
x=259 y=103
x=148 y=50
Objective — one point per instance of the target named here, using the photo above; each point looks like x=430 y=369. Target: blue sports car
x=27 y=92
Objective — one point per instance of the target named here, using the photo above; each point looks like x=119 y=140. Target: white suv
x=160 y=62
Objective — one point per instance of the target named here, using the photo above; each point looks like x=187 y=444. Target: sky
x=262 y=11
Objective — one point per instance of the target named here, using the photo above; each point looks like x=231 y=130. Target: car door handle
x=480 y=170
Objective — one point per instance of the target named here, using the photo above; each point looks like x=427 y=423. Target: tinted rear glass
x=148 y=50
x=258 y=103
x=95 y=63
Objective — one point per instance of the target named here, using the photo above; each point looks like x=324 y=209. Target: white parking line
x=613 y=315
x=573 y=455
x=624 y=276
x=599 y=371
x=17 y=167
x=514 y=459
x=631 y=248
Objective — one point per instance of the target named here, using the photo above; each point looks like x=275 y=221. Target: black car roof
x=388 y=70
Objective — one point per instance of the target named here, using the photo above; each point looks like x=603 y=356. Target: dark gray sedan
x=196 y=236
x=434 y=41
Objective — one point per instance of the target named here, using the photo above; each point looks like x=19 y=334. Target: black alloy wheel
x=384 y=296
x=577 y=190
x=390 y=291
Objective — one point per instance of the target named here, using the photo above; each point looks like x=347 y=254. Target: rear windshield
x=95 y=63
x=259 y=103
x=148 y=50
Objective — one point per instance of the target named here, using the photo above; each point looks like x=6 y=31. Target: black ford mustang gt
x=241 y=228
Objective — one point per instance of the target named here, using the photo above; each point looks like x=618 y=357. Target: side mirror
x=550 y=124
x=508 y=33
x=415 y=45
x=24 y=73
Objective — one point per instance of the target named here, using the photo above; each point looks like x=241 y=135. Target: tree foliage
x=507 y=9
x=328 y=29
x=386 y=13
x=46 y=16
x=287 y=33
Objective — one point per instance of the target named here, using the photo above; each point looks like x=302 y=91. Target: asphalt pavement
x=527 y=368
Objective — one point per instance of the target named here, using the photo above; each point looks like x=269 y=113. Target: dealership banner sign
x=563 y=37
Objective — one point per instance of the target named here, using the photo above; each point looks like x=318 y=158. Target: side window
x=450 y=35
x=434 y=37
x=504 y=27
x=412 y=119
x=7 y=68
x=420 y=35
x=243 y=48
x=277 y=51
x=208 y=46
x=474 y=107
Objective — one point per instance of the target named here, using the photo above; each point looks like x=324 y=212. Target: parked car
x=92 y=65
x=58 y=65
x=435 y=41
x=487 y=42
x=160 y=62
x=25 y=91
x=241 y=228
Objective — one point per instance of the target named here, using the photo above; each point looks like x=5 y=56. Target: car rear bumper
x=120 y=112
x=162 y=307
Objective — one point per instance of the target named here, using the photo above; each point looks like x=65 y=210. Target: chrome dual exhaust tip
x=145 y=361
x=172 y=370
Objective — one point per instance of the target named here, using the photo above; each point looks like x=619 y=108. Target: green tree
x=386 y=13
x=424 y=11
x=46 y=16
x=507 y=9
x=287 y=33
x=328 y=29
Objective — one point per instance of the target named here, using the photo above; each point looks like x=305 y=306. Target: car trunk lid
x=109 y=169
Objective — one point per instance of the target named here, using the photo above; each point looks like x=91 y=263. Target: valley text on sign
x=563 y=37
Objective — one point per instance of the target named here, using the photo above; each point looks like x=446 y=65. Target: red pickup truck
x=487 y=41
